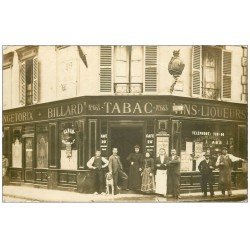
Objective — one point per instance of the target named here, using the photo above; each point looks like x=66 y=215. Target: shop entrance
x=125 y=137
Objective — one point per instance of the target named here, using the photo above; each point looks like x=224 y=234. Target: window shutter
x=136 y=64
x=22 y=84
x=35 y=80
x=150 y=68
x=226 y=74
x=196 y=74
x=105 y=68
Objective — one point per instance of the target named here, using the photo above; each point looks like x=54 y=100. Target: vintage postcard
x=125 y=123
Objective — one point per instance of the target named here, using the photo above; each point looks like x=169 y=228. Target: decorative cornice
x=27 y=52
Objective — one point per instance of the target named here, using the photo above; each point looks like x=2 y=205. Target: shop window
x=29 y=75
x=128 y=69
x=68 y=145
x=200 y=137
x=17 y=148
x=42 y=146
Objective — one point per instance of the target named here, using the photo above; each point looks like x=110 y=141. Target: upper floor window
x=7 y=79
x=128 y=69
x=28 y=92
x=211 y=72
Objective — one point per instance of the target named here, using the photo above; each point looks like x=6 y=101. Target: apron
x=161 y=182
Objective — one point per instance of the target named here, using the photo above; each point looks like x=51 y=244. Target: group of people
x=149 y=175
x=224 y=163
x=143 y=171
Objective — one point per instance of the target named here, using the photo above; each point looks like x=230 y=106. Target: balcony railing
x=125 y=88
x=210 y=93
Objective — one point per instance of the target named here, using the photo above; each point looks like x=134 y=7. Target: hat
x=224 y=148
x=207 y=154
x=137 y=146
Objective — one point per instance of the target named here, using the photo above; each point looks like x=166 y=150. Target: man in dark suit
x=206 y=169
x=174 y=174
x=115 y=167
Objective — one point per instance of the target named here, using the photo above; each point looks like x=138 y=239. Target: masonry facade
x=61 y=103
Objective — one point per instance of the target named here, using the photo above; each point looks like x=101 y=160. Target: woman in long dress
x=148 y=180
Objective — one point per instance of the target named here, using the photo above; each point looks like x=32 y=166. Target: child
x=148 y=182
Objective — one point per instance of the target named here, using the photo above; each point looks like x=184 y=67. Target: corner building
x=61 y=103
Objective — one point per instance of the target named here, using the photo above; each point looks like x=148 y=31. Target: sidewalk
x=47 y=195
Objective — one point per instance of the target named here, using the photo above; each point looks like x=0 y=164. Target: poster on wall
x=17 y=154
x=189 y=147
x=198 y=149
x=162 y=142
x=186 y=161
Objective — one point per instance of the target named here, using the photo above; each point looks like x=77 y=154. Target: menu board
x=162 y=142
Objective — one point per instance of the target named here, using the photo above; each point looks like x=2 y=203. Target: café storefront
x=49 y=144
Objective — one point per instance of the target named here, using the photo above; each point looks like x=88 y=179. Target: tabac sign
x=126 y=106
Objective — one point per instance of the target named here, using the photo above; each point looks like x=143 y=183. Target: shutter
x=105 y=68
x=150 y=68
x=136 y=64
x=226 y=74
x=35 y=80
x=22 y=84
x=196 y=66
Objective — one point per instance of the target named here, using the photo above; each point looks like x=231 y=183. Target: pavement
x=33 y=194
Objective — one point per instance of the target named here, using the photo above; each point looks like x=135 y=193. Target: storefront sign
x=127 y=106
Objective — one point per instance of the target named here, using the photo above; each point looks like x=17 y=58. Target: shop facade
x=49 y=144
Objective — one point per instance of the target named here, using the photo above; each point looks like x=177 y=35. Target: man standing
x=224 y=162
x=5 y=165
x=174 y=174
x=98 y=163
x=115 y=167
x=161 y=172
x=136 y=161
x=206 y=169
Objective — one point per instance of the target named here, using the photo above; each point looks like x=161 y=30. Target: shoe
x=95 y=193
x=178 y=197
x=102 y=193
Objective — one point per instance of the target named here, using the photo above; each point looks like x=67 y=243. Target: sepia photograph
x=124 y=123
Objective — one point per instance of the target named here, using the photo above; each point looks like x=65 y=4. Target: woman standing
x=148 y=180
x=136 y=161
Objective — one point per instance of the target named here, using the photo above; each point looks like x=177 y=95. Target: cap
x=137 y=146
x=207 y=154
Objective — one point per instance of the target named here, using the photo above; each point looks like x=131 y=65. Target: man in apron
x=161 y=172
x=224 y=163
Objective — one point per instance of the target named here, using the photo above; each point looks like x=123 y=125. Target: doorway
x=125 y=138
